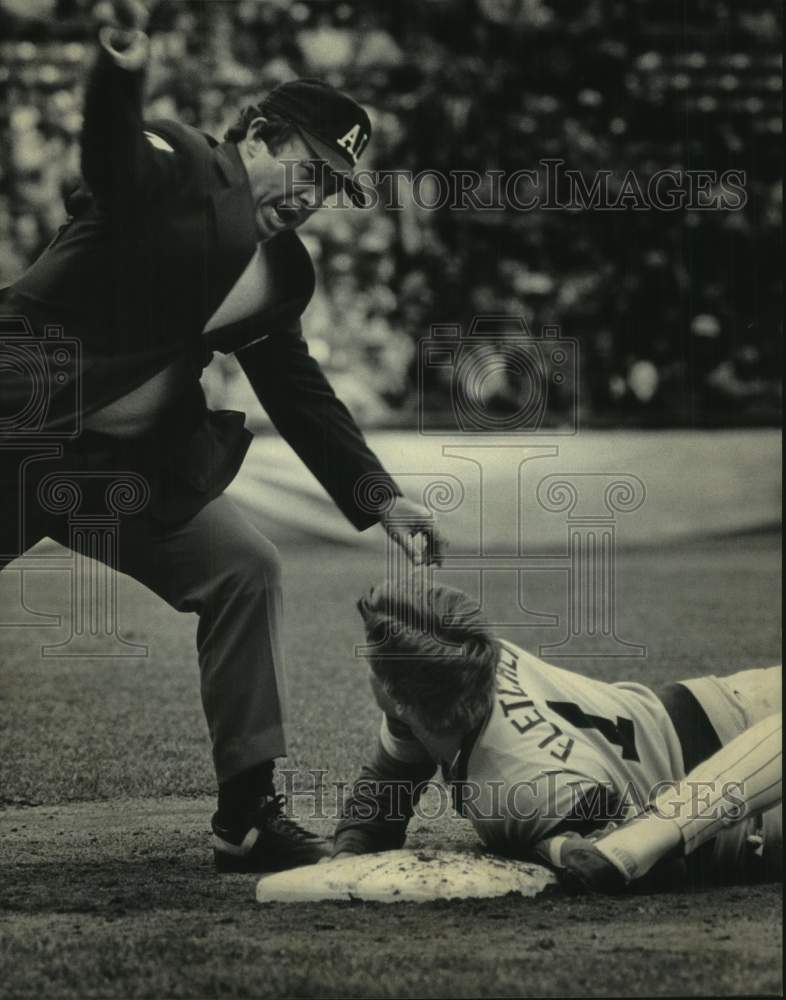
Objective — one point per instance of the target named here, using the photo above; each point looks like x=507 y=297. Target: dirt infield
x=117 y=900
x=106 y=888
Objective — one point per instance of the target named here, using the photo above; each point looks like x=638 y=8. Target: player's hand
x=121 y=20
x=415 y=529
x=580 y=866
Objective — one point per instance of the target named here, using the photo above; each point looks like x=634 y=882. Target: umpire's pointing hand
x=414 y=528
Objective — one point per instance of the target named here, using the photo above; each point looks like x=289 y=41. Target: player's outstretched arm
x=382 y=802
x=740 y=780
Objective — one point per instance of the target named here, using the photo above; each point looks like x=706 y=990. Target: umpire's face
x=288 y=186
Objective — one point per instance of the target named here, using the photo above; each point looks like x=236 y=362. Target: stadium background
x=676 y=313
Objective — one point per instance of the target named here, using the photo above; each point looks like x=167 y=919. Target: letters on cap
x=354 y=142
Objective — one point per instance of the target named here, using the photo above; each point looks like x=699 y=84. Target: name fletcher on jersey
x=523 y=714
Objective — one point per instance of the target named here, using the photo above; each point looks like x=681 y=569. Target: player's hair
x=274 y=130
x=432 y=652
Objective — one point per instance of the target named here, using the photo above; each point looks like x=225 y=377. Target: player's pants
x=733 y=704
x=221 y=567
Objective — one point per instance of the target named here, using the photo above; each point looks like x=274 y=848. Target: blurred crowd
x=676 y=313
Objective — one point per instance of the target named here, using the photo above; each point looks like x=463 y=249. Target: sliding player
x=533 y=751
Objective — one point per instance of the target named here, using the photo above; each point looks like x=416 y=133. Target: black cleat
x=271 y=842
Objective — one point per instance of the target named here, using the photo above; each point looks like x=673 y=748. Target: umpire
x=178 y=246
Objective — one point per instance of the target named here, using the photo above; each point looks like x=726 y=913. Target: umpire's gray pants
x=221 y=567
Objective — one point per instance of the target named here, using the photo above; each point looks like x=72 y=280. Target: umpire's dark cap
x=336 y=128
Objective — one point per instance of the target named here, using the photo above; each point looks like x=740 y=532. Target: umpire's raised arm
x=119 y=164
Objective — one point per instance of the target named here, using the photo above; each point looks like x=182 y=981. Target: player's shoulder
x=514 y=657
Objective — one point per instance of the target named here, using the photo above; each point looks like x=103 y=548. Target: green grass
x=106 y=887
x=100 y=729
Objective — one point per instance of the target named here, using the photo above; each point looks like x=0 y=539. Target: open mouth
x=285 y=214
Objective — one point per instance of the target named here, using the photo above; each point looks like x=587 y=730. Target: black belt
x=694 y=730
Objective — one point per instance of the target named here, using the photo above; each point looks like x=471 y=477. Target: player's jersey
x=553 y=739
x=556 y=748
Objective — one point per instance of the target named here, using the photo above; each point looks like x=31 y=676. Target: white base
x=405 y=876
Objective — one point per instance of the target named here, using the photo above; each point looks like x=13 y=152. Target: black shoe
x=269 y=842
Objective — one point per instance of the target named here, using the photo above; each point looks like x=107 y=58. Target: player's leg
x=732 y=705
x=221 y=567
x=737 y=701
x=725 y=793
x=750 y=850
x=759 y=691
x=740 y=780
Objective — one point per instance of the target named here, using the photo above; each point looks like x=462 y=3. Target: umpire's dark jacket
x=155 y=241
